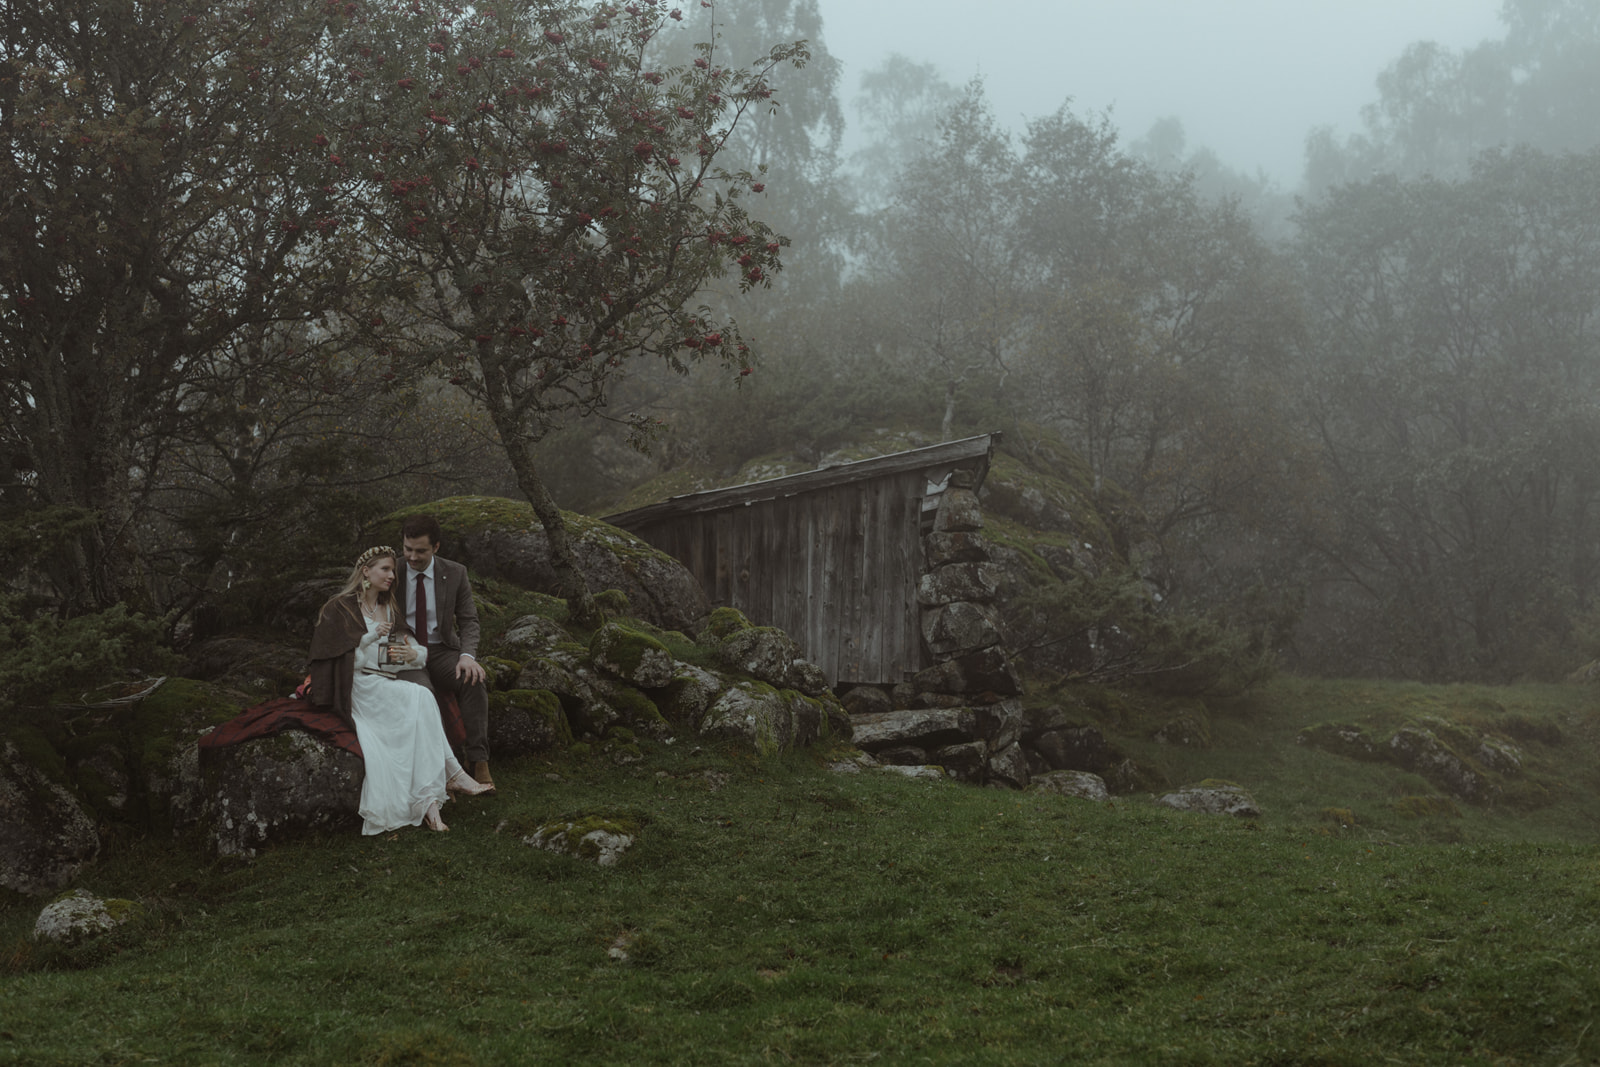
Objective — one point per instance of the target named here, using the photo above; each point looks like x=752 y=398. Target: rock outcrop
x=500 y=538
x=1466 y=762
x=46 y=838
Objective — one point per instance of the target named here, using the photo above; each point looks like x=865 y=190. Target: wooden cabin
x=831 y=556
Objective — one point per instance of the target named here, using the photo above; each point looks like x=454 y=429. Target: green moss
x=581 y=749
x=122 y=911
x=98 y=790
x=174 y=714
x=36 y=751
x=1427 y=807
x=500 y=603
x=502 y=673
x=723 y=621
x=1342 y=739
x=578 y=829
x=1342 y=817
x=635 y=707
x=539 y=704
x=460 y=515
x=623 y=648
x=614 y=602
x=1064 y=480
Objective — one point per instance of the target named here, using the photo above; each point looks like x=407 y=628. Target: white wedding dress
x=402 y=740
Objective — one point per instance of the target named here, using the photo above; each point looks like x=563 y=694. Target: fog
x=1247 y=78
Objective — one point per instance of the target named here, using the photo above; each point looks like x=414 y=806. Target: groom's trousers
x=440 y=677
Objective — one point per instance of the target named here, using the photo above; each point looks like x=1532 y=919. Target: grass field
x=774 y=911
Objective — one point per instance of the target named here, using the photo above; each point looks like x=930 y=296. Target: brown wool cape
x=340 y=628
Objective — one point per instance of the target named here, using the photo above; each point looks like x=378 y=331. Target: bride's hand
x=384 y=628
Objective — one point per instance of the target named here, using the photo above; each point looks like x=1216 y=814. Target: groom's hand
x=469 y=671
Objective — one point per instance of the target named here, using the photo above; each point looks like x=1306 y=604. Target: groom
x=439 y=608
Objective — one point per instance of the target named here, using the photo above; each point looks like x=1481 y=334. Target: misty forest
x=271 y=270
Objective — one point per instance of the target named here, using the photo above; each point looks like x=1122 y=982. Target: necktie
x=422 y=614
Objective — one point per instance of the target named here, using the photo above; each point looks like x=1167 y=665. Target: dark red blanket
x=295 y=713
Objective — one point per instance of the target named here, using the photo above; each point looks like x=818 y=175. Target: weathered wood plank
x=948 y=453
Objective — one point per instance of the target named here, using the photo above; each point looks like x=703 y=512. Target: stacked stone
x=959 y=714
x=960 y=623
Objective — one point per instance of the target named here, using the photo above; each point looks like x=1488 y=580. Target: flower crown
x=373 y=553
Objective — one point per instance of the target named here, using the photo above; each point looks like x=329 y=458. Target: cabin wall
x=835 y=568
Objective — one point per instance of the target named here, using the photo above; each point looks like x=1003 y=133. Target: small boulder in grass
x=595 y=838
x=1079 y=784
x=80 y=915
x=1213 y=797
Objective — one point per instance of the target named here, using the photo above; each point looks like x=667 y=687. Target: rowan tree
x=547 y=206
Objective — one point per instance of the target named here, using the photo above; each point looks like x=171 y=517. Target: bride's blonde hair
x=353 y=584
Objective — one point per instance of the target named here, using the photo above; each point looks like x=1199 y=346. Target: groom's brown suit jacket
x=457 y=614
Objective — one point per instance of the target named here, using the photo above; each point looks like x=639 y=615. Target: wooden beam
x=940 y=455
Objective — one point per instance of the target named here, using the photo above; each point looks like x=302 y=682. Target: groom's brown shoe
x=480 y=774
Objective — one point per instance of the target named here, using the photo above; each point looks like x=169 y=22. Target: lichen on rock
x=46 y=838
x=634 y=657
x=594 y=837
x=1213 y=797
x=80 y=915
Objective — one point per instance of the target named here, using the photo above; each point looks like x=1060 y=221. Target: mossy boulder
x=596 y=837
x=575 y=684
x=771 y=720
x=1129 y=776
x=752 y=714
x=275 y=788
x=78 y=916
x=763 y=652
x=1213 y=797
x=499 y=673
x=531 y=636
x=637 y=711
x=502 y=538
x=46 y=837
x=524 y=722
x=691 y=692
x=1422 y=750
x=166 y=730
x=1188 y=729
x=1076 y=748
x=1342 y=739
x=722 y=623
x=1008 y=766
x=634 y=657
x=1080 y=784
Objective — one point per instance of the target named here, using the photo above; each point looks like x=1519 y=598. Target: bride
x=360 y=642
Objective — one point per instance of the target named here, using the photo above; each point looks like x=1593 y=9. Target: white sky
x=1248 y=78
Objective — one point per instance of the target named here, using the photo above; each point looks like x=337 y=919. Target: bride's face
x=380 y=572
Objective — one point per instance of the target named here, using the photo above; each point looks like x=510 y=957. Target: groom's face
x=419 y=552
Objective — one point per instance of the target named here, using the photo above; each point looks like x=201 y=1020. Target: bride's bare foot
x=432 y=821
x=463 y=783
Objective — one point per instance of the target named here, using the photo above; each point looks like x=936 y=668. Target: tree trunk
x=581 y=608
